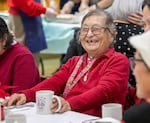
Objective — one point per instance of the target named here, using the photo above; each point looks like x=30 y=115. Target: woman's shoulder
x=118 y=58
x=117 y=55
x=20 y=49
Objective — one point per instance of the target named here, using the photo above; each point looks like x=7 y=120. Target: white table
x=67 y=117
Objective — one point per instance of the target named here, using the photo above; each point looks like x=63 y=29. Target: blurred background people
x=17 y=66
x=122 y=10
x=69 y=6
x=85 y=5
x=26 y=24
x=86 y=82
x=93 y=4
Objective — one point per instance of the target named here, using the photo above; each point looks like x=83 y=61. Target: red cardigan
x=30 y=7
x=17 y=68
x=107 y=82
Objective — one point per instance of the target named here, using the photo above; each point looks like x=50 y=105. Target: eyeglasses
x=132 y=62
x=96 y=30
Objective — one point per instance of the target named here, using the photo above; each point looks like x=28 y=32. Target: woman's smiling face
x=95 y=37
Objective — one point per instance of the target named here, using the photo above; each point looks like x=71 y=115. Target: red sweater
x=17 y=67
x=30 y=7
x=107 y=82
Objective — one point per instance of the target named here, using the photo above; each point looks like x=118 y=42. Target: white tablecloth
x=67 y=117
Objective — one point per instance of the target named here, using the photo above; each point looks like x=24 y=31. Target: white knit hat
x=142 y=45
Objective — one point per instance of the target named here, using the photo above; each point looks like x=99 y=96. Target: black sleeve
x=139 y=113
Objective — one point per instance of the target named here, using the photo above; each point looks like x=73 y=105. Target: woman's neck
x=93 y=55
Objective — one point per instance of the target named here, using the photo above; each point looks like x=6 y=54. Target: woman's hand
x=15 y=99
x=67 y=7
x=136 y=18
x=65 y=106
x=83 y=6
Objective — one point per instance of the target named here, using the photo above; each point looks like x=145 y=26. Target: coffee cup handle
x=59 y=103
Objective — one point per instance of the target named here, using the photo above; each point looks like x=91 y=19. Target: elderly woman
x=88 y=81
x=17 y=66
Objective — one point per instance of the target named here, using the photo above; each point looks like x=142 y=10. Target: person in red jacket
x=26 y=24
x=86 y=82
x=17 y=66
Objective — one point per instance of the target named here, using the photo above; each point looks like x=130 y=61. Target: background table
x=58 y=35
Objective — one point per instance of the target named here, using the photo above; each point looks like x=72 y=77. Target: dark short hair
x=98 y=12
x=146 y=3
x=4 y=30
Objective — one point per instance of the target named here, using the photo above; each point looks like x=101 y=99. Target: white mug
x=113 y=110
x=44 y=100
x=16 y=118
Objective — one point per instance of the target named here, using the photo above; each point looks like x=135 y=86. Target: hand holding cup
x=65 y=106
x=44 y=100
